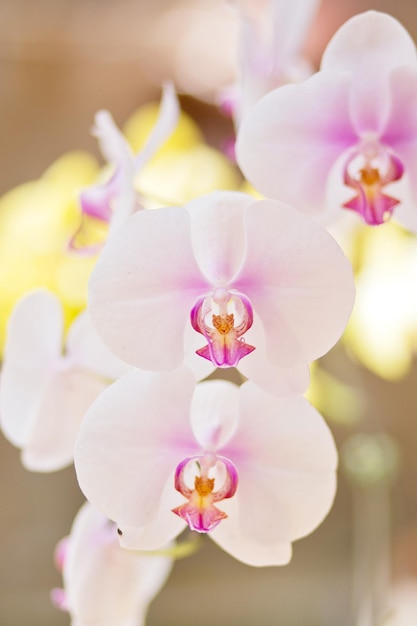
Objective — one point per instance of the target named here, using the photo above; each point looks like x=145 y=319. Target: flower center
x=369 y=169
x=199 y=511
x=223 y=317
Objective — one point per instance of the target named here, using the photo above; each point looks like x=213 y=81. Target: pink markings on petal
x=368 y=170
x=223 y=317
x=59 y=599
x=199 y=511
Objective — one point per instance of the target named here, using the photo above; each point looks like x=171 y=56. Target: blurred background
x=61 y=61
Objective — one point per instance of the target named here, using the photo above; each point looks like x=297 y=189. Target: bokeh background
x=61 y=61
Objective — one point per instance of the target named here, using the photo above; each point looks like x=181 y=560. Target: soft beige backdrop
x=60 y=61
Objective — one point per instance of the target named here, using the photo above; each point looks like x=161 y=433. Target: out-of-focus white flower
x=105 y=584
x=44 y=392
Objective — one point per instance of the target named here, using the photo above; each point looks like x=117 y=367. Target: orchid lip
x=369 y=169
x=199 y=511
x=222 y=317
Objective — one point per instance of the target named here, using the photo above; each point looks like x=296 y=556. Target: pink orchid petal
x=286 y=149
x=130 y=442
x=32 y=349
x=370 y=46
x=50 y=445
x=167 y=121
x=286 y=380
x=214 y=413
x=291 y=22
x=201 y=368
x=164 y=528
x=401 y=134
x=306 y=294
x=88 y=351
x=287 y=466
x=229 y=536
x=144 y=286
x=217 y=233
x=121 y=191
x=106 y=584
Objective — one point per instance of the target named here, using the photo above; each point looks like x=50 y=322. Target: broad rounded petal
x=214 y=413
x=68 y=396
x=144 y=286
x=401 y=135
x=291 y=138
x=199 y=366
x=164 y=528
x=287 y=466
x=229 y=536
x=32 y=349
x=284 y=380
x=131 y=441
x=370 y=46
x=104 y=583
x=369 y=41
x=88 y=351
x=299 y=282
x=217 y=233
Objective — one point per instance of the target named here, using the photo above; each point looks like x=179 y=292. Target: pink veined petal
x=32 y=349
x=299 y=282
x=288 y=143
x=285 y=380
x=214 y=413
x=144 y=286
x=229 y=536
x=88 y=351
x=130 y=442
x=51 y=441
x=106 y=584
x=286 y=460
x=370 y=46
x=167 y=121
x=217 y=233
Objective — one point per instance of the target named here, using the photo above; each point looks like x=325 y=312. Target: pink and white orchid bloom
x=255 y=471
x=115 y=200
x=272 y=34
x=348 y=134
x=43 y=392
x=105 y=584
x=263 y=287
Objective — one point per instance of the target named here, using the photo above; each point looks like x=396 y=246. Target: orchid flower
x=156 y=453
x=261 y=286
x=103 y=583
x=43 y=392
x=348 y=134
x=272 y=34
x=113 y=201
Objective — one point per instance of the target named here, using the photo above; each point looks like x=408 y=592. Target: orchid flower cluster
x=179 y=391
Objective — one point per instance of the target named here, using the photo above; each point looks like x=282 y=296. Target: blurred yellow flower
x=382 y=332
x=37 y=220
